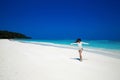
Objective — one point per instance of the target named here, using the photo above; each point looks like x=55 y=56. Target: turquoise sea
x=105 y=47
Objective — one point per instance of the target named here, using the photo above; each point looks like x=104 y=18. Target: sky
x=62 y=19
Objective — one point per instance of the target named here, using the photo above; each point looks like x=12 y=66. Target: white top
x=79 y=44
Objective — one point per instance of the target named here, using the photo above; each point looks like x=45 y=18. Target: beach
x=25 y=61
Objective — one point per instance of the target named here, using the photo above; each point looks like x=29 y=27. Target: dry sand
x=25 y=61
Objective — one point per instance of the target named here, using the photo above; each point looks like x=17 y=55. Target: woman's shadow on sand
x=77 y=59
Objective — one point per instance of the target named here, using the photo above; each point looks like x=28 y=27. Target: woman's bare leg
x=80 y=54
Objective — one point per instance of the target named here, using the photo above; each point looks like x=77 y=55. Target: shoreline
x=67 y=43
x=24 y=61
x=102 y=51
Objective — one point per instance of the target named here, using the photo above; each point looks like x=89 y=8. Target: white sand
x=24 y=61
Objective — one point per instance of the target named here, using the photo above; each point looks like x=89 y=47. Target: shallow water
x=105 y=47
x=103 y=44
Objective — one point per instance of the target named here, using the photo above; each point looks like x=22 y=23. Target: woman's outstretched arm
x=84 y=43
x=73 y=43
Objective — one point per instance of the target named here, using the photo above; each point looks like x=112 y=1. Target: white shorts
x=80 y=49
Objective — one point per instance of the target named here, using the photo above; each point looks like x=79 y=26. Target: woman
x=80 y=48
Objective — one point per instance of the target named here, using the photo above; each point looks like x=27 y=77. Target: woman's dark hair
x=78 y=40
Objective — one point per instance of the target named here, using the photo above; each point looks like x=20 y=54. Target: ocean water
x=105 y=47
x=101 y=44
